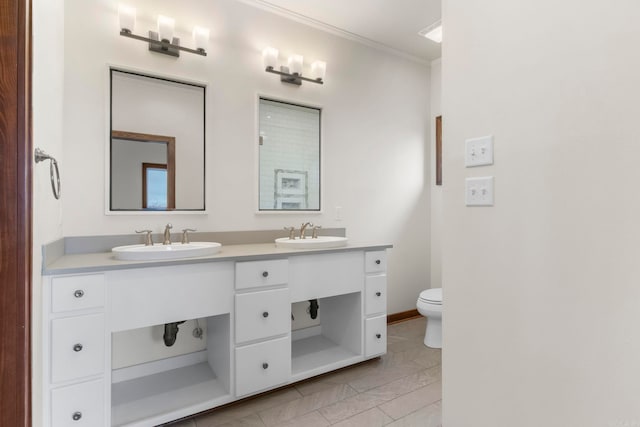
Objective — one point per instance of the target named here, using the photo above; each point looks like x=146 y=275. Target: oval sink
x=309 y=243
x=172 y=251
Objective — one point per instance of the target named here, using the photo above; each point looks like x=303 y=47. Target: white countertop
x=103 y=261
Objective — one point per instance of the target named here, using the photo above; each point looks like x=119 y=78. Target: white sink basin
x=159 y=252
x=309 y=243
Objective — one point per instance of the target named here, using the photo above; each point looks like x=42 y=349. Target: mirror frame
x=107 y=157
x=300 y=103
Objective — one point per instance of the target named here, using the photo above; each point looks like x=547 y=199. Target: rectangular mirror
x=289 y=141
x=157 y=145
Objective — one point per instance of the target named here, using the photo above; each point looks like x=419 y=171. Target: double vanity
x=243 y=294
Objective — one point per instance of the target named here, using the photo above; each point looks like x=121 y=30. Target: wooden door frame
x=15 y=213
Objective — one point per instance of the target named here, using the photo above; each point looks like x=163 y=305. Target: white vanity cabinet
x=75 y=349
x=245 y=303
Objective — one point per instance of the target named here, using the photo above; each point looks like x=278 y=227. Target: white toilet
x=430 y=305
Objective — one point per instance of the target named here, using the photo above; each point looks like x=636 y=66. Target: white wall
x=375 y=113
x=436 y=190
x=541 y=312
x=48 y=71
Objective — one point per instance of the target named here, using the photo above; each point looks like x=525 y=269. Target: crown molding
x=303 y=19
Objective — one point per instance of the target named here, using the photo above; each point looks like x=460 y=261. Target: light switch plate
x=478 y=151
x=479 y=191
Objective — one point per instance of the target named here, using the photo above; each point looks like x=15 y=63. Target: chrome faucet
x=167 y=234
x=292 y=232
x=303 y=228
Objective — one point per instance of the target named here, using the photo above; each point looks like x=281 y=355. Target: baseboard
x=402 y=316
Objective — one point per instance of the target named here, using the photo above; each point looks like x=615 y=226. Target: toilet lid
x=432 y=296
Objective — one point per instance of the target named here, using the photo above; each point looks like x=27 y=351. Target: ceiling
x=392 y=25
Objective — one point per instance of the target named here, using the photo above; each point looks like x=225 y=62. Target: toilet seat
x=431 y=296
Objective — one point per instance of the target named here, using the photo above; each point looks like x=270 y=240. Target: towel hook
x=54 y=173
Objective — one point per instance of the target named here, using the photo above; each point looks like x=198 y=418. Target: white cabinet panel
x=319 y=276
x=376 y=294
x=262 y=314
x=79 y=405
x=375 y=340
x=154 y=296
x=253 y=274
x=77 y=292
x=375 y=261
x=263 y=365
x=77 y=348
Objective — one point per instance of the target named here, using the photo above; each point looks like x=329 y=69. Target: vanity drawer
x=77 y=292
x=375 y=340
x=253 y=274
x=79 y=405
x=262 y=314
x=375 y=261
x=263 y=365
x=77 y=348
x=375 y=294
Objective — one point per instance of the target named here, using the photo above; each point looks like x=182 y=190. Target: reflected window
x=289 y=156
x=155 y=187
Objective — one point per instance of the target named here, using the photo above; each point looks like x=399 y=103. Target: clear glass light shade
x=165 y=27
x=201 y=37
x=318 y=70
x=270 y=57
x=295 y=64
x=127 y=17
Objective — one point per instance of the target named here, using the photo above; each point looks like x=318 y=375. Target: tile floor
x=401 y=389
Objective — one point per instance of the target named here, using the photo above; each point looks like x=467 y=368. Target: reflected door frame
x=171 y=159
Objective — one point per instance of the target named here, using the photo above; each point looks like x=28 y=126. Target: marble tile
x=349 y=407
x=429 y=416
x=411 y=402
x=185 y=423
x=385 y=376
x=312 y=419
x=407 y=384
x=294 y=409
x=248 y=407
x=250 y=421
x=372 y=418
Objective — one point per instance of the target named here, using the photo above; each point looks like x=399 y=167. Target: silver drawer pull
x=378 y=294
x=378 y=261
x=378 y=336
x=76 y=415
x=77 y=347
x=79 y=293
x=265 y=314
x=265 y=365
x=265 y=274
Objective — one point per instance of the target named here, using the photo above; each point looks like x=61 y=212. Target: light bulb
x=270 y=57
x=201 y=37
x=295 y=64
x=127 y=16
x=165 y=28
x=318 y=70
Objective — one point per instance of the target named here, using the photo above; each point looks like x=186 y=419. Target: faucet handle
x=314 y=235
x=185 y=234
x=147 y=239
x=292 y=232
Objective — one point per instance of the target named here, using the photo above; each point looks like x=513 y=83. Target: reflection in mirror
x=157 y=143
x=289 y=156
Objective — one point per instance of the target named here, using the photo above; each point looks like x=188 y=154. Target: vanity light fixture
x=162 y=40
x=292 y=72
x=433 y=32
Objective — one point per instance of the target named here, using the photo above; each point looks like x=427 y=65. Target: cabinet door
x=77 y=292
x=376 y=294
x=251 y=274
x=375 y=340
x=375 y=261
x=261 y=366
x=77 y=347
x=80 y=405
x=262 y=314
